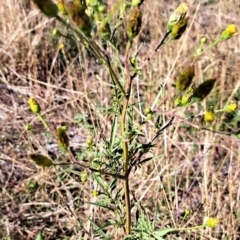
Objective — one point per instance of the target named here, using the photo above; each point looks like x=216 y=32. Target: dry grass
x=193 y=169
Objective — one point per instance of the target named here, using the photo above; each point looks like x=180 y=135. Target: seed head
x=178 y=15
x=185 y=78
x=134 y=22
x=48 y=7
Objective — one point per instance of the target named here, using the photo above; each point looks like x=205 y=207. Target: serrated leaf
x=41 y=160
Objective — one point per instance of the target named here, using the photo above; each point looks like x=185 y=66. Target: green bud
x=62 y=138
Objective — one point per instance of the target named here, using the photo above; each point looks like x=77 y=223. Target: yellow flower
x=209 y=116
x=232 y=107
x=229 y=32
x=34 y=106
x=61 y=46
x=95 y=193
x=178 y=15
x=210 y=222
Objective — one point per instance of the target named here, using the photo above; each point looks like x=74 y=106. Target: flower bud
x=209 y=116
x=185 y=78
x=48 y=7
x=187 y=97
x=179 y=28
x=61 y=7
x=178 y=15
x=28 y=127
x=232 y=107
x=62 y=138
x=134 y=22
x=56 y=32
x=229 y=32
x=34 y=106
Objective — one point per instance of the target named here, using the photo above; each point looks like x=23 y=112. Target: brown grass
x=193 y=169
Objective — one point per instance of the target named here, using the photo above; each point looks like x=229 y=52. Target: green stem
x=125 y=143
x=43 y=121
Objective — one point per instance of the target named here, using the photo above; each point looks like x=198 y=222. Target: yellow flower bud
x=185 y=78
x=232 y=107
x=56 y=32
x=41 y=160
x=48 y=7
x=89 y=142
x=209 y=116
x=61 y=46
x=134 y=22
x=178 y=15
x=34 y=106
x=62 y=138
x=187 y=97
x=61 y=7
x=178 y=101
x=84 y=176
x=28 y=127
x=229 y=32
x=210 y=222
x=179 y=28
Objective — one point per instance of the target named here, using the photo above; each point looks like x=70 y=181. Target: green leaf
x=113 y=131
x=164 y=231
x=38 y=236
x=100 y=230
x=101 y=204
x=100 y=182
